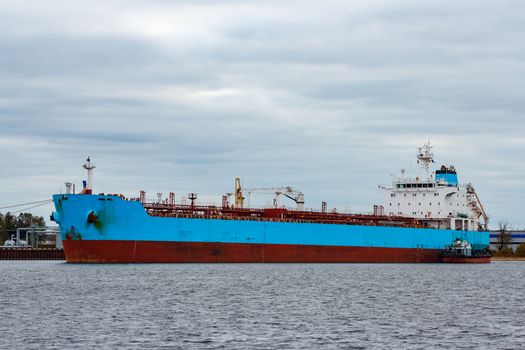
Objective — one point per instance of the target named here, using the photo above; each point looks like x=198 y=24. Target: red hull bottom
x=80 y=251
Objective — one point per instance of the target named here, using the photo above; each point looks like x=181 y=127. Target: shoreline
x=508 y=258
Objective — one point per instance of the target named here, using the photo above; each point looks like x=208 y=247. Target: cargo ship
x=419 y=219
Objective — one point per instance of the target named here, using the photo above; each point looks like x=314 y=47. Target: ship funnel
x=447 y=175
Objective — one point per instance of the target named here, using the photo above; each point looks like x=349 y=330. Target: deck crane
x=287 y=191
x=239 y=198
x=475 y=205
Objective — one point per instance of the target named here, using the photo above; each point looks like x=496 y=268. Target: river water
x=54 y=305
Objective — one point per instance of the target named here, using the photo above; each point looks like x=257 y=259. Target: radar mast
x=425 y=157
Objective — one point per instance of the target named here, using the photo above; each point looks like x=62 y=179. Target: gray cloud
x=331 y=98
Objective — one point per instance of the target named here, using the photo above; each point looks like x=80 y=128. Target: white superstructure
x=437 y=199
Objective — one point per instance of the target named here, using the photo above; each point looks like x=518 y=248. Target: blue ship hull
x=124 y=232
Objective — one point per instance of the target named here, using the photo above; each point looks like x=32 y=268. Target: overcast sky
x=331 y=97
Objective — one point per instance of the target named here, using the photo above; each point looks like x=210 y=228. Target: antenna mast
x=89 y=168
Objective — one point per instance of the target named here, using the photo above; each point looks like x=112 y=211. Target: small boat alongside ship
x=419 y=218
x=461 y=252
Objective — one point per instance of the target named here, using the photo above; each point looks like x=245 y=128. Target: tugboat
x=461 y=252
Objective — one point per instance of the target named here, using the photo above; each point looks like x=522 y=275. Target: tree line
x=504 y=238
x=10 y=222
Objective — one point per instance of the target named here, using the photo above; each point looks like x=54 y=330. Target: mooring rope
x=29 y=203
x=34 y=206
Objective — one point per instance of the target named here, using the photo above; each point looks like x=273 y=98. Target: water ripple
x=53 y=305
